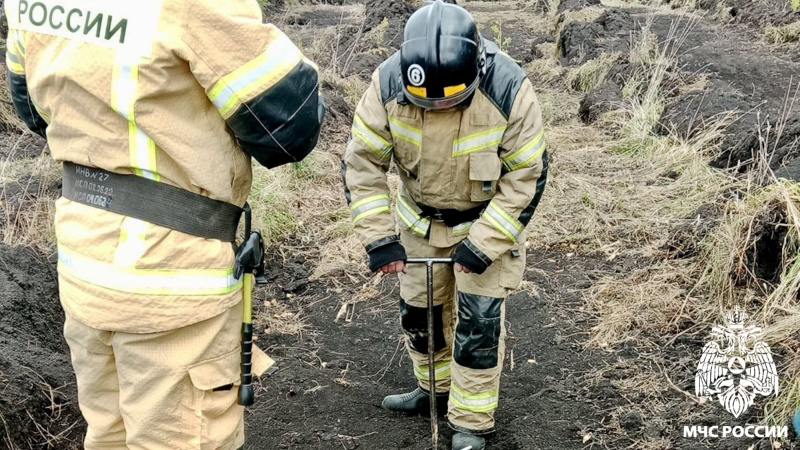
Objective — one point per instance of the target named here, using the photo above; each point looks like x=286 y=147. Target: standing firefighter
x=462 y=123
x=156 y=108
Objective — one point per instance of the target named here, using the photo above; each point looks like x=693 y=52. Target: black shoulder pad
x=389 y=74
x=502 y=81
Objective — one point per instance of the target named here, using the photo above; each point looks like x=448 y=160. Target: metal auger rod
x=429 y=262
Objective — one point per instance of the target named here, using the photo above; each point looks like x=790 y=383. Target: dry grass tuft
x=277 y=318
x=27 y=198
x=783 y=34
x=647 y=303
x=592 y=73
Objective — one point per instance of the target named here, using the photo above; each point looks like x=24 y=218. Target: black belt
x=151 y=201
x=452 y=217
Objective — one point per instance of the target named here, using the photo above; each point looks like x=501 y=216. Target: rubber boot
x=416 y=402
x=466 y=441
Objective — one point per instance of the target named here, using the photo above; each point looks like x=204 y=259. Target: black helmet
x=442 y=56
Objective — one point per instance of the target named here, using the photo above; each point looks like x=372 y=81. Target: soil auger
x=429 y=262
x=250 y=263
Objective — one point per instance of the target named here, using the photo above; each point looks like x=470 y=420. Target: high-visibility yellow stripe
x=527 y=155
x=141 y=148
x=14 y=64
x=131 y=244
x=405 y=132
x=462 y=228
x=479 y=141
x=380 y=146
x=165 y=282
x=504 y=223
x=370 y=206
x=479 y=403
x=256 y=76
x=17 y=44
x=413 y=221
x=441 y=369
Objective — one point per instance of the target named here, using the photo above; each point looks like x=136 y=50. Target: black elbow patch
x=282 y=125
x=478 y=331
x=20 y=96
x=414 y=321
x=527 y=213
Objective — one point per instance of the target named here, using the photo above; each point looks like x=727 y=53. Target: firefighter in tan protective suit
x=156 y=108
x=462 y=124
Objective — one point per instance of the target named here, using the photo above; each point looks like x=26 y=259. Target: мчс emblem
x=738 y=371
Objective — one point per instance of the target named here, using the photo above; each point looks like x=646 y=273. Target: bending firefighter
x=156 y=108
x=463 y=126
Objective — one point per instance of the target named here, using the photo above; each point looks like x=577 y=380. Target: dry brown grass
x=28 y=202
x=278 y=318
x=782 y=34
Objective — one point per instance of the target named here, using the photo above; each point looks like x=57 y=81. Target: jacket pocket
x=407 y=139
x=484 y=172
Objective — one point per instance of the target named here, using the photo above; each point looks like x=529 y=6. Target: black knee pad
x=415 y=325
x=478 y=331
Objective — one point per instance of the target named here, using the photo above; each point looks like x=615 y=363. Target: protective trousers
x=469 y=329
x=173 y=390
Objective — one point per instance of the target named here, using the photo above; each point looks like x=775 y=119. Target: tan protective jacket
x=490 y=154
x=156 y=88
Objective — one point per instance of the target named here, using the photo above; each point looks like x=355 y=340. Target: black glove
x=467 y=257
x=385 y=254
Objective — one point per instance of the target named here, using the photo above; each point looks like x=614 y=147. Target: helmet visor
x=443 y=102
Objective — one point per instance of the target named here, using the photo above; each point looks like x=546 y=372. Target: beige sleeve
x=364 y=167
x=503 y=222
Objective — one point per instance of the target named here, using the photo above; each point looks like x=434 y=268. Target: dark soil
x=610 y=33
x=687 y=235
x=575 y=5
x=38 y=405
x=332 y=379
x=604 y=98
x=761 y=13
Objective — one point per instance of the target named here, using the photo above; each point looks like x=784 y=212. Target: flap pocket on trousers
x=213 y=373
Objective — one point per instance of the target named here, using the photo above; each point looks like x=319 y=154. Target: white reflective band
x=380 y=146
x=503 y=222
x=442 y=370
x=370 y=206
x=256 y=76
x=479 y=403
x=462 y=228
x=413 y=221
x=123 y=100
x=405 y=132
x=527 y=155
x=20 y=45
x=480 y=141
x=147 y=281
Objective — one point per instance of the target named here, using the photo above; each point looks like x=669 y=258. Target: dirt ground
x=558 y=392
